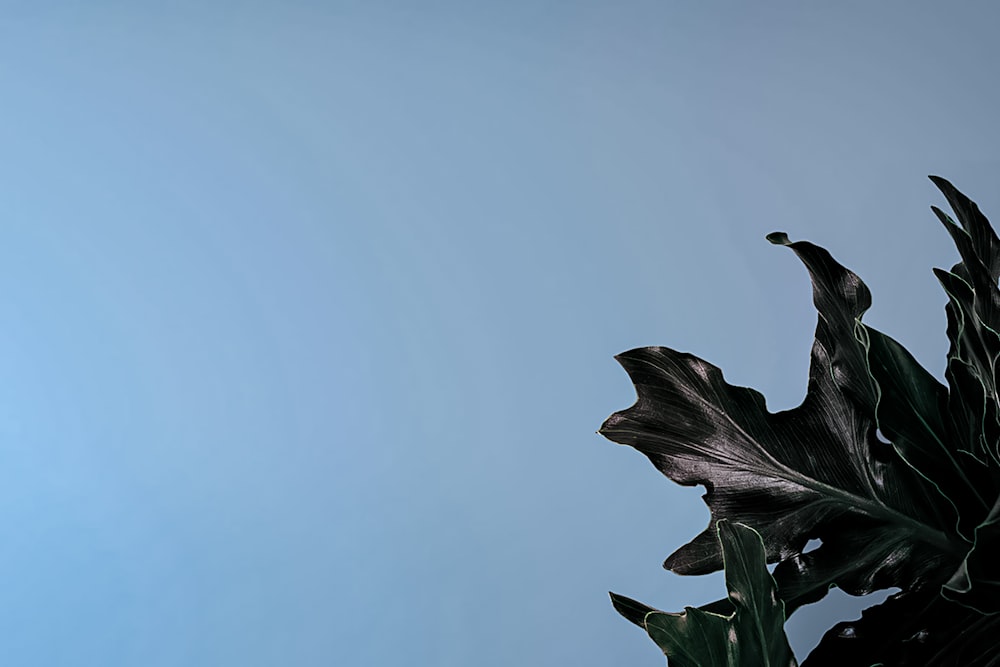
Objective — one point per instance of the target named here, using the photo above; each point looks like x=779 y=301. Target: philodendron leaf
x=896 y=474
x=973 y=322
x=910 y=407
x=817 y=471
x=751 y=636
x=911 y=630
x=973 y=363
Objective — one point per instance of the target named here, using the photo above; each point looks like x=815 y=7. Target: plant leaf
x=804 y=473
x=911 y=409
x=911 y=630
x=751 y=636
x=920 y=512
x=973 y=322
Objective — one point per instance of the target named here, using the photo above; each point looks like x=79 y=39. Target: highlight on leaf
x=752 y=635
x=920 y=512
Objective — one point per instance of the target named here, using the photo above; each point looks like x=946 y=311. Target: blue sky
x=308 y=309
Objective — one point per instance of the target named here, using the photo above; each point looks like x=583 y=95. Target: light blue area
x=308 y=309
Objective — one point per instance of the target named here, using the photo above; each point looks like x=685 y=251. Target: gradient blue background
x=307 y=310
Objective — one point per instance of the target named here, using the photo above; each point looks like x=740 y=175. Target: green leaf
x=883 y=380
x=919 y=511
x=817 y=471
x=911 y=409
x=911 y=630
x=976 y=583
x=751 y=636
x=973 y=362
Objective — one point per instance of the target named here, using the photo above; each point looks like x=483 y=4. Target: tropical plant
x=897 y=476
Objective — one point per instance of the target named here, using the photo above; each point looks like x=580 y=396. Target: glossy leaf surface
x=897 y=474
x=973 y=359
x=752 y=635
x=911 y=630
x=817 y=471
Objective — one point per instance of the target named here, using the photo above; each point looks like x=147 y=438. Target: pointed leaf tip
x=633 y=610
x=943 y=184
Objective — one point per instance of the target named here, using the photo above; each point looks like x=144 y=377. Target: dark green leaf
x=971 y=369
x=631 y=609
x=751 y=636
x=883 y=380
x=920 y=511
x=799 y=474
x=911 y=410
x=973 y=362
x=976 y=584
x=911 y=630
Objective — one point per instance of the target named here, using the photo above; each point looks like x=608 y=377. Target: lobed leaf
x=817 y=471
x=752 y=635
x=920 y=511
x=973 y=312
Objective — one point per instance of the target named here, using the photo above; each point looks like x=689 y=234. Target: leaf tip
x=673 y=563
x=943 y=184
x=609 y=424
x=778 y=238
x=632 y=610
